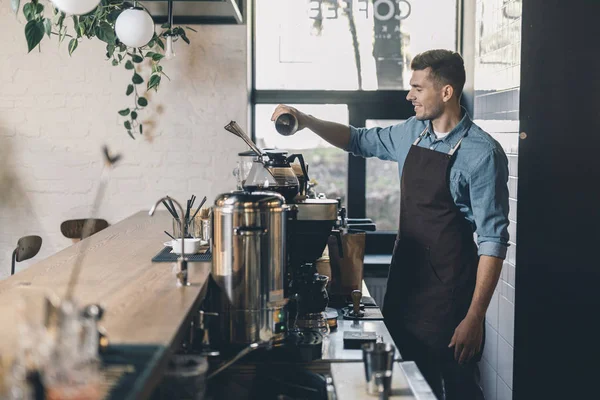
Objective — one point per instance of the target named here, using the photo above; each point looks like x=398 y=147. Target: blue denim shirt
x=478 y=171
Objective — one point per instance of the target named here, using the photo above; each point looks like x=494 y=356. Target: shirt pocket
x=459 y=189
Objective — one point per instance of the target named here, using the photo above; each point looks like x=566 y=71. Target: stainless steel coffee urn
x=249 y=257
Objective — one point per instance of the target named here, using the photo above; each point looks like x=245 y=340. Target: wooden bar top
x=143 y=305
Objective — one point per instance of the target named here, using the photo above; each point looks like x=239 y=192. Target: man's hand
x=283 y=109
x=334 y=133
x=467 y=338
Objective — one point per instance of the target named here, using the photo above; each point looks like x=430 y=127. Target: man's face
x=425 y=95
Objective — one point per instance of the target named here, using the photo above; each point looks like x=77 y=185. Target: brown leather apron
x=434 y=264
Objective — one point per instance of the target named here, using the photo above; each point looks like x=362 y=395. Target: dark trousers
x=448 y=379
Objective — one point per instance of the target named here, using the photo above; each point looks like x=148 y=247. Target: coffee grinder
x=310 y=223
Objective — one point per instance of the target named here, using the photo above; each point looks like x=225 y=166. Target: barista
x=453 y=183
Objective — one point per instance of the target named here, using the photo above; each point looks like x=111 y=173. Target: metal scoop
x=234 y=128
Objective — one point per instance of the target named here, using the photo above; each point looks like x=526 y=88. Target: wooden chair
x=27 y=247
x=73 y=228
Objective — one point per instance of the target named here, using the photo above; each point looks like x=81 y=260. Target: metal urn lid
x=242 y=200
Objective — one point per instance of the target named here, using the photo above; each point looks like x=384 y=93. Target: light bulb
x=76 y=7
x=134 y=27
x=169 y=53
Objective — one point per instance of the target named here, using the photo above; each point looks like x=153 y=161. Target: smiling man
x=453 y=183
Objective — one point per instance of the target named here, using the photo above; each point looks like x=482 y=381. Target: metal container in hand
x=248 y=266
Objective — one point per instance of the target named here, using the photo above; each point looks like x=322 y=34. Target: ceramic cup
x=192 y=246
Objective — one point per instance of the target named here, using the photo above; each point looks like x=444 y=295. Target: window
x=347 y=45
x=383 y=187
x=346 y=61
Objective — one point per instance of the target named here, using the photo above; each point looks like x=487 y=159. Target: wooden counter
x=143 y=305
x=147 y=312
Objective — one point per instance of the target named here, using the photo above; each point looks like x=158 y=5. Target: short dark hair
x=447 y=67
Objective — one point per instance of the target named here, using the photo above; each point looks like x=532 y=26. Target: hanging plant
x=100 y=24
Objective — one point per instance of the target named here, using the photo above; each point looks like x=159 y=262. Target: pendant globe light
x=134 y=27
x=76 y=7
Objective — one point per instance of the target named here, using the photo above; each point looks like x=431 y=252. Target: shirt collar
x=459 y=131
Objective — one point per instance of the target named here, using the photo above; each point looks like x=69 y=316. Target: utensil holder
x=191 y=229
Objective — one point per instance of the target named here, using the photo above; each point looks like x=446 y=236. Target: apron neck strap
x=452 y=150
x=416 y=142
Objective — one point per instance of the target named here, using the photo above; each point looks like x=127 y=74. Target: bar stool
x=27 y=247
x=73 y=228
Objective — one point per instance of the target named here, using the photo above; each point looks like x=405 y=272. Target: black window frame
x=362 y=105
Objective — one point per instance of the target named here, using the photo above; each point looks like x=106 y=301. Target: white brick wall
x=57 y=111
x=497 y=78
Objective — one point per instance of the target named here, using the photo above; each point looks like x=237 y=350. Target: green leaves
x=110 y=50
x=75 y=19
x=48 y=26
x=181 y=33
x=137 y=79
x=112 y=16
x=154 y=82
x=15 y=4
x=29 y=11
x=72 y=45
x=154 y=56
x=61 y=19
x=105 y=32
x=100 y=24
x=34 y=33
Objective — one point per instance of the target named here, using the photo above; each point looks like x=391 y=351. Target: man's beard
x=431 y=114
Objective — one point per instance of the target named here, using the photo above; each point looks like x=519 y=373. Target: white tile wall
x=57 y=111
x=512 y=231
x=506 y=289
x=512 y=213
x=490 y=350
x=505 y=361
x=499 y=40
x=511 y=274
x=488 y=380
x=503 y=392
x=491 y=316
x=512 y=187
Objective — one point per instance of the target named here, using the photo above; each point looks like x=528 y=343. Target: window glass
x=383 y=187
x=347 y=45
x=327 y=165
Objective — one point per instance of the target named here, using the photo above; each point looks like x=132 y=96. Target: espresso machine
x=267 y=238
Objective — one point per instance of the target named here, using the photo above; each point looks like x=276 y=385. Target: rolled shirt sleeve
x=489 y=201
x=374 y=142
